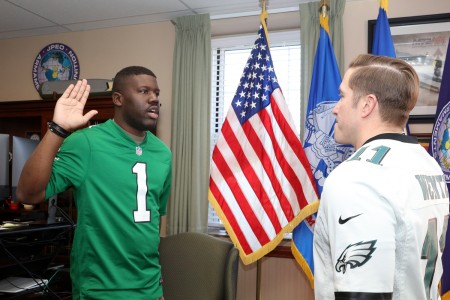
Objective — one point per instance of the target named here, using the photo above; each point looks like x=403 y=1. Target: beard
x=153 y=126
x=142 y=124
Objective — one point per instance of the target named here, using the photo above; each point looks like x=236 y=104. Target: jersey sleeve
x=70 y=164
x=361 y=228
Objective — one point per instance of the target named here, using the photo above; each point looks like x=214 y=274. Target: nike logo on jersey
x=343 y=221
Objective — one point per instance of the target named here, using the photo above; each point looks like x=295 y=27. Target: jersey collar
x=394 y=136
x=126 y=135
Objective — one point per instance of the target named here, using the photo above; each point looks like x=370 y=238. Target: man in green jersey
x=121 y=175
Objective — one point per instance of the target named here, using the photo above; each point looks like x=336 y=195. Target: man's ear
x=117 y=98
x=370 y=101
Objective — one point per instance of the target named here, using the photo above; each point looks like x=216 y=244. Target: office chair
x=197 y=266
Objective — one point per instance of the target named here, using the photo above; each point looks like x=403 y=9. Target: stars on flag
x=257 y=81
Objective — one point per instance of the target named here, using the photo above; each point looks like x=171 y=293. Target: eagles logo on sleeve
x=355 y=255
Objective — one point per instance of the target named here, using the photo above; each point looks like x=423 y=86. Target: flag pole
x=323 y=12
x=324 y=7
x=262 y=17
x=324 y=3
x=258 y=279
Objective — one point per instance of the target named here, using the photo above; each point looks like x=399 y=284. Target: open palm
x=69 y=108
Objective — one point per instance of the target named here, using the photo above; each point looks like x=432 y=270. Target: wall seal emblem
x=55 y=62
x=440 y=140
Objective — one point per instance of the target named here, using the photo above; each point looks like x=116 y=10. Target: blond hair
x=393 y=81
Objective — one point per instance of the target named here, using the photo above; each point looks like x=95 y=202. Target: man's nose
x=155 y=101
x=153 y=96
x=335 y=109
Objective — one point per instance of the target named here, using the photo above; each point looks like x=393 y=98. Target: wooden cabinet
x=23 y=118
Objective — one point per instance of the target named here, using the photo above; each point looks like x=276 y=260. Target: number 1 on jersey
x=141 y=214
x=377 y=157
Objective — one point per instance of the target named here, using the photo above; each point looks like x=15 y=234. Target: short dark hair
x=122 y=75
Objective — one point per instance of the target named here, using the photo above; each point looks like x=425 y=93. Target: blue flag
x=440 y=149
x=320 y=148
x=382 y=38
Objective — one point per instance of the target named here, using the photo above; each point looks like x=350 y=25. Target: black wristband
x=58 y=130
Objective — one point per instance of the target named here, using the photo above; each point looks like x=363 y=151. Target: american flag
x=261 y=184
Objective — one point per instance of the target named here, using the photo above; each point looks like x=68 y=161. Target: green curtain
x=309 y=36
x=191 y=92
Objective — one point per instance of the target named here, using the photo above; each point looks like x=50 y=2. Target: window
x=229 y=56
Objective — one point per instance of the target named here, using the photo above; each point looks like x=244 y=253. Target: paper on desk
x=12 y=224
x=19 y=284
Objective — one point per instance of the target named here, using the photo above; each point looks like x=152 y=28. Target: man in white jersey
x=381 y=224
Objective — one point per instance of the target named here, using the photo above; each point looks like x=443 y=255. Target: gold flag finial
x=324 y=8
x=263 y=3
x=263 y=16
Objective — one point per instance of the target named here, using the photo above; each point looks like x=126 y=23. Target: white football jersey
x=381 y=224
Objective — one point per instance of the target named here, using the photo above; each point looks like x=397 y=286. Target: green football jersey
x=120 y=189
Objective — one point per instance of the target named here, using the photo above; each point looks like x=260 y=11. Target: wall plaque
x=55 y=62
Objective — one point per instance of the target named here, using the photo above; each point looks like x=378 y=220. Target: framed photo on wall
x=422 y=41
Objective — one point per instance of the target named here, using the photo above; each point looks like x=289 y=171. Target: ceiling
x=21 y=18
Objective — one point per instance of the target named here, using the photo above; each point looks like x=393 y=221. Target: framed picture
x=422 y=131
x=422 y=41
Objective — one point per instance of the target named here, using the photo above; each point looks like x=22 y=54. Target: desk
x=29 y=250
x=22 y=214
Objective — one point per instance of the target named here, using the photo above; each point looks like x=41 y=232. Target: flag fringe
x=384 y=4
x=265 y=249
x=446 y=296
x=324 y=23
x=303 y=264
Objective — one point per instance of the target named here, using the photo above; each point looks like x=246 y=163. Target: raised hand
x=69 y=108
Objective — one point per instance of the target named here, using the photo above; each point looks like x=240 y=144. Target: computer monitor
x=21 y=151
x=4 y=166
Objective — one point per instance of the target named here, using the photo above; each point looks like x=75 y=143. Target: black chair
x=197 y=266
